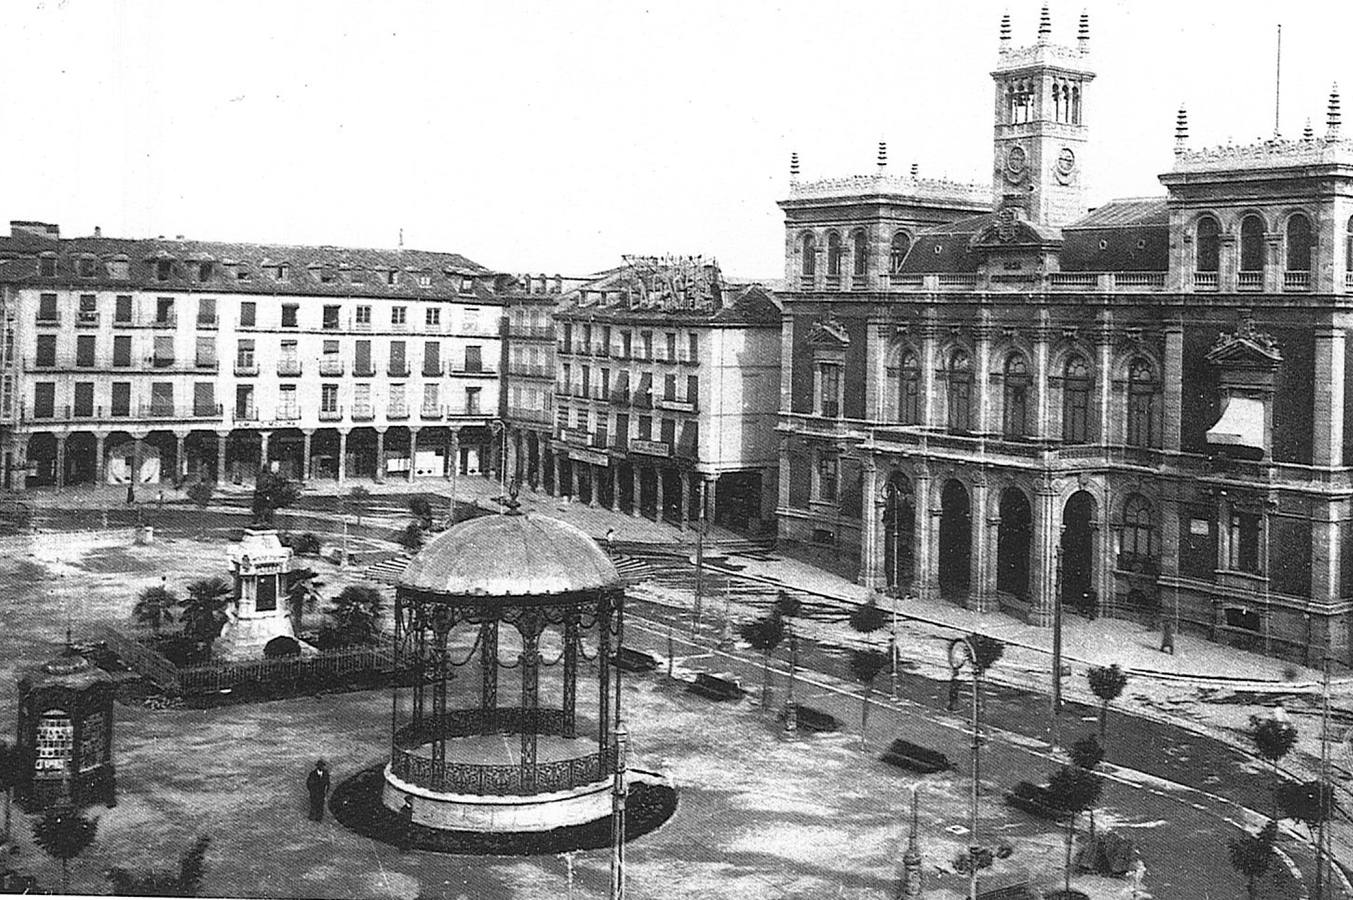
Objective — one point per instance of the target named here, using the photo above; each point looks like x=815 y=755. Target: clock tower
x=1040 y=134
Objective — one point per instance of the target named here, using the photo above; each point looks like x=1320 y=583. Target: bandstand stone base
x=506 y=813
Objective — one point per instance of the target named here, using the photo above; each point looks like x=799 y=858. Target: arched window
x=1076 y=401
x=1058 y=110
x=809 y=255
x=1075 y=106
x=833 y=254
x=1299 y=244
x=1141 y=410
x=1016 y=396
x=909 y=411
x=897 y=254
x=1209 y=245
x=1348 y=248
x=959 y=391
x=1252 y=244
x=859 y=251
x=1138 y=531
x=55 y=741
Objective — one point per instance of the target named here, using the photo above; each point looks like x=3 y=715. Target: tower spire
x=1044 y=24
x=794 y=166
x=1005 y=30
x=1083 y=32
x=915 y=169
x=1181 y=130
x=883 y=154
x=1332 y=117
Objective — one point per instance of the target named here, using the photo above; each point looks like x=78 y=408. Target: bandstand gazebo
x=535 y=603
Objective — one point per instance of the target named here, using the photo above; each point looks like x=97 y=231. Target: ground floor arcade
x=662 y=488
x=1255 y=565
x=177 y=455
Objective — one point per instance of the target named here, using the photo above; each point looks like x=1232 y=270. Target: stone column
x=686 y=501
x=1047 y=533
x=1328 y=449
x=455 y=469
x=573 y=480
x=636 y=507
x=413 y=452
x=713 y=494
x=1104 y=380
x=551 y=472
x=263 y=448
x=138 y=454
x=658 y=512
x=614 y=476
x=929 y=347
x=982 y=374
x=783 y=474
x=222 y=440
x=876 y=358
x=342 y=455
x=786 y=354
x=1229 y=262
x=871 y=559
x=924 y=581
x=1273 y=271
x=1326 y=552
x=594 y=485
x=306 y=435
x=380 y=455
x=180 y=458
x=100 y=463
x=1042 y=337
x=60 y=461
x=1174 y=384
x=978 y=562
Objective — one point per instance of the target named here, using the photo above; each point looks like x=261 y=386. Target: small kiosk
x=66 y=725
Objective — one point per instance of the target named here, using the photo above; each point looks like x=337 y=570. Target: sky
x=556 y=136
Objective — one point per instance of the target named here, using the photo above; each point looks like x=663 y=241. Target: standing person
x=1167 y=635
x=406 y=825
x=317 y=784
x=610 y=541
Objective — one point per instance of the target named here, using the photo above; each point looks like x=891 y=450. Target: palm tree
x=865 y=665
x=204 y=610
x=1087 y=754
x=155 y=607
x=64 y=834
x=16 y=765
x=1274 y=737
x=1107 y=682
x=764 y=635
x=1252 y=854
x=271 y=493
x=359 y=496
x=1073 y=790
x=302 y=594
x=356 y=614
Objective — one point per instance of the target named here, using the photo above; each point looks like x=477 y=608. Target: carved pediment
x=828 y=333
x=1246 y=347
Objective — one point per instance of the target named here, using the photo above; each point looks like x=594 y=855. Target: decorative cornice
x=906 y=187
x=1272 y=153
x=1245 y=345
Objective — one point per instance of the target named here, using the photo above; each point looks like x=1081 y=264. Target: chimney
x=98 y=232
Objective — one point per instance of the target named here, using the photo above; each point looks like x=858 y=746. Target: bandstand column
x=420 y=656
x=604 y=677
x=530 y=702
x=488 y=671
x=440 y=673
x=571 y=676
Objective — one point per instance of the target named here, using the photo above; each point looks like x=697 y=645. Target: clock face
x=1016 y=162
x=1066 y=164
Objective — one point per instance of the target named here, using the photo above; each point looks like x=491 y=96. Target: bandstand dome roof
x=510 y=556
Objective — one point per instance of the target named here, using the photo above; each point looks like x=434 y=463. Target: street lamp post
x=962 y=647
x=897 y=583
x=1054 y=727
x=699 y=563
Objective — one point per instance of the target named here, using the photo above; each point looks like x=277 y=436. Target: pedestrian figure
x=1167 y=636
x=406 y=825
x=317 y=783
x=159 y=500
x=610 y=540
x=131 y=493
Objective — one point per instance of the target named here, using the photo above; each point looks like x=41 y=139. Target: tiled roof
x=1129 y=235
x=1124 y=213
x=322 y=270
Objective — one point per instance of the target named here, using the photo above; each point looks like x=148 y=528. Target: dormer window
x=467 y=285
x=424 y=279
x=392 y=277
x=204 y=272
x=281 y=272
x=164 y=268
x=89 y=267
x=358 y=276
x=47 y=266
x=327 y=276
x=243 y=275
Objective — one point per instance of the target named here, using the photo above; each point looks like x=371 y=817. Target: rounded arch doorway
x=955 y=540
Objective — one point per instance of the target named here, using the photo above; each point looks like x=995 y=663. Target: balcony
x=331 y=367
x=167 y=411
x=687 y=359
x=472 y=372
x=360 y=326
x=331 y=415
x=363 y=413
x=208 y=323
x=832 y=282
x=246 y=414
x=246 y=368
x=87 y=318
x=165 y=320
x=52 y=318
x=805 y=282
x=1249 y=281
x=396 y=412
x=288 y=414
x=122 y=321
x=1296 y=281
x=1205 y=281
x=398 y=370
x=206 y=365
x=686 y=406
x=367 y=371
x=427 y=412
x=859 y=282
x=563 y=349
x=433 y=370
x=289 y=368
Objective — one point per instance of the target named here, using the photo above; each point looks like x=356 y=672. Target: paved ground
x=1173 y=693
